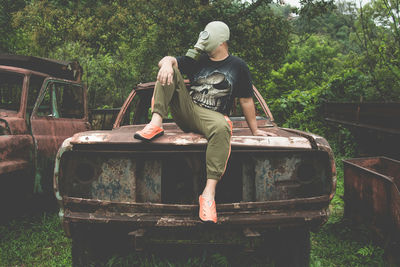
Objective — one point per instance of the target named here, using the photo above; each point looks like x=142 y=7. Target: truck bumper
x=309 y=212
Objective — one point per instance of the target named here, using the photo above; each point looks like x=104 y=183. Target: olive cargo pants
x=190 y=117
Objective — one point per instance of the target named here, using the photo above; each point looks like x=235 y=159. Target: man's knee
x=177 y=75
x=221 y=128
x=176 y=78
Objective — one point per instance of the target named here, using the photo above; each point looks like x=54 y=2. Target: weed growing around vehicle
x=34 y=241
x=341 y=242
x=39 y=241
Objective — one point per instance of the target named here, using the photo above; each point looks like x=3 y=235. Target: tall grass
x=342 y=243
x=34 y=241
x=39 y=241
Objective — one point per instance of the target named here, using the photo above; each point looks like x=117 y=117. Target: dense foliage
x=325 y=51
x=119 y=43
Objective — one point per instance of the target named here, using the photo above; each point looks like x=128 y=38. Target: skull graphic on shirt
x=211 y=91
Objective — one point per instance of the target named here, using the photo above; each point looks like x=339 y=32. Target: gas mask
x=214 y=34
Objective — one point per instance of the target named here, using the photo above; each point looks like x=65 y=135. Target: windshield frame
x=19 y=105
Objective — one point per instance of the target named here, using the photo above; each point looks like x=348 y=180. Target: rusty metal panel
x=267 y=176
x=314 y=218
x=248 y=180
x=113 y=186
x=113 y=177
x=311 y=211
x=376 y=116
x=372 y=193
x=49 y=133
x=178 y=178
x=28 y=147
x=288 y=176
x=60 y=69
x=149 y=182
x=16 y=153
x=50 y=130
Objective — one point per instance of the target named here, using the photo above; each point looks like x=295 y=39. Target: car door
x=59 y=112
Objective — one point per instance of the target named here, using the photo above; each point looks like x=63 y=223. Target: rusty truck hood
x=173 y=136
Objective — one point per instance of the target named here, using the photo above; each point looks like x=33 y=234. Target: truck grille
x=178 y=178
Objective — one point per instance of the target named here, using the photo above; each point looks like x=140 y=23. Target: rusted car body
x=375 y=125
x=42 y=102
x=111 y=187
x=383 y=117
x=372 y=193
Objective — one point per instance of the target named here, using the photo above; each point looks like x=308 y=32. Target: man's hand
x=249 y=112
x=166 y=73
x=259 y=132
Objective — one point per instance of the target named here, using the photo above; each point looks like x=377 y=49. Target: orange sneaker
x=149 y=132
x=207 y=210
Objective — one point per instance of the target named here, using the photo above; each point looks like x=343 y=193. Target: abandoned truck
x=42 y=102
x=115 y=190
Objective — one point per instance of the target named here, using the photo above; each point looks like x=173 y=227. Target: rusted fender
x=372 y=192
x=320 y=143
x=16 y=153
x=66 y=146
x=15 y=125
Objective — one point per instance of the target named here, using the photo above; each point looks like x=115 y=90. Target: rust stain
x=375 y=116
x=286 y=179
x=29 y=144
x=372 y=192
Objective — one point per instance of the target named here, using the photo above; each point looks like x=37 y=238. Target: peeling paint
x=286 y=179
x=372 y=193
x=31 y=142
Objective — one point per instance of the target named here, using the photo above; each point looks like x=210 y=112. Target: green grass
x=34 y=241
x=39 y=241
x=342 y=243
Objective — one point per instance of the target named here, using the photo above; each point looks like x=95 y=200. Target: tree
x=378 y=38
x=8 y=34
x=119 y=43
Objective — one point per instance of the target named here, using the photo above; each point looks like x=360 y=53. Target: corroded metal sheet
x=309 y=218
x=286 y=176
x=149 y=182
x=11 y=166
x=49 y=133
x=268 y=176
x=62 y=69
x=91 y=205
x=111 y=177
x=174 y=136
x=179 y=178
x=116 y=182
x=272 y=141
x=284 y=179
x=311 y=211
x=372 y=192
x=248 y=187
x=16 y=125
x=375 y=116
x=29 y=145
x=16 y=153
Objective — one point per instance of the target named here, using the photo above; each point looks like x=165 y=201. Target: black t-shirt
x=215 y=84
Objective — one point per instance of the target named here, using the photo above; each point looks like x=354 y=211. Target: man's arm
x=249 y=112
x=166 y=72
